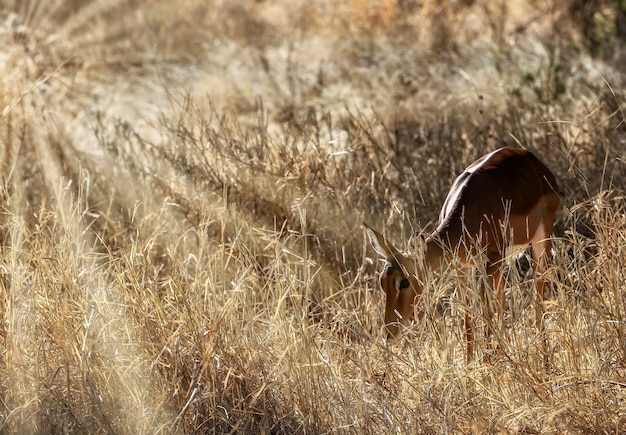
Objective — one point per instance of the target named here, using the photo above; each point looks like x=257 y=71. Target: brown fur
x=507 y=197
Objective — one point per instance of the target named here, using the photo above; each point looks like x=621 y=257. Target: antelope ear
x=380 y=244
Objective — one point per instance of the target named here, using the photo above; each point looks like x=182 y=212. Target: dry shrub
x=181 y=250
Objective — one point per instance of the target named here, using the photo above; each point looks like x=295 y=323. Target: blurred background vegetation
x=182 y=191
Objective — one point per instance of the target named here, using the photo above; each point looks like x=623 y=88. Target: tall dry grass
x=181 y=197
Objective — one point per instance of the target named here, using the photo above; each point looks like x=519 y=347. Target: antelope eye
x=404 y=283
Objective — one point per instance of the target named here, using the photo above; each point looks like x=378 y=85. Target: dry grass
x=181 y=196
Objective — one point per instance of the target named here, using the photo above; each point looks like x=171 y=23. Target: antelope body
x=507 y=197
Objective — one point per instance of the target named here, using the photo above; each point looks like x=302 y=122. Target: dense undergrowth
x=181 y=199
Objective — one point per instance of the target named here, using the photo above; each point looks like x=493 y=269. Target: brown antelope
x=507 y=197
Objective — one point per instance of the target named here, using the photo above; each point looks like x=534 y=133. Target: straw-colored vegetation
x=182 y=190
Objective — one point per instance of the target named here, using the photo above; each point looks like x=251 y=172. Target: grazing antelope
x=507 y=197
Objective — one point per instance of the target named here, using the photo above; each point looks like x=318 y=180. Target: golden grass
x=181 y=197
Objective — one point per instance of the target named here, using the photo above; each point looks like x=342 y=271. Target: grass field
x=183 y=186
